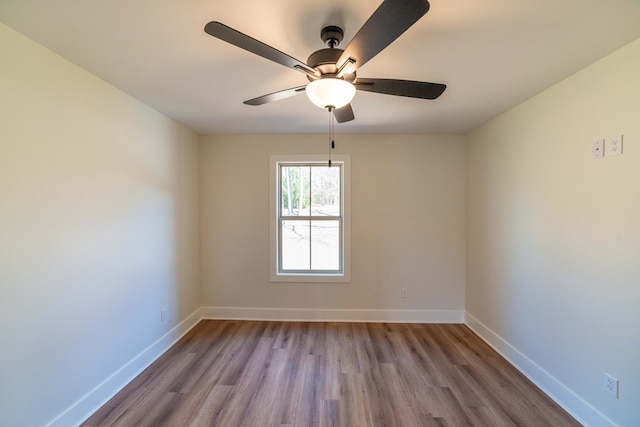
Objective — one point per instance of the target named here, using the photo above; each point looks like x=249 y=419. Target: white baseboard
x=334 y=315
x=580 y=409
x=94 y=399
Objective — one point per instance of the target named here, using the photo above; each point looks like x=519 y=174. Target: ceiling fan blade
x=275 y=96
x=243 y=41
x=408 y=88
x=344 y=114
x=388 y=22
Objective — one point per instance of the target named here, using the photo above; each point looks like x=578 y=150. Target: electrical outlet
x=404 y=292
x=163 y=314
x=611 y=385
x=614 y=145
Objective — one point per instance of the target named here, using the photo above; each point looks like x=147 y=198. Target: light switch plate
x=597 y=149
x=614 y=145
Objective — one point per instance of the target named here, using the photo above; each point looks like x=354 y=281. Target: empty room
x=339 y=213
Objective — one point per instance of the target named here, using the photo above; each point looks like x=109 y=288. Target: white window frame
x=274 y=216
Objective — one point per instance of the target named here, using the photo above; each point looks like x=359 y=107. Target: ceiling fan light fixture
x=330 y=92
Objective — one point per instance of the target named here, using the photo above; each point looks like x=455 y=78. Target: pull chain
x=332 y=142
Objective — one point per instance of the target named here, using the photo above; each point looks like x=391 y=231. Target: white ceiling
x=492 y=54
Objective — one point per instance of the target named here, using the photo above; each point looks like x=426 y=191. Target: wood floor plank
x=332 y=375
x=288 y=374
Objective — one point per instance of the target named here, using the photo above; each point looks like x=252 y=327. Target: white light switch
x=597 y=149
x=614 y=145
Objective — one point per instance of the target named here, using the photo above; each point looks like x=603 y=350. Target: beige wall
x=554 y=238
x=408 y=226
x=98 y=231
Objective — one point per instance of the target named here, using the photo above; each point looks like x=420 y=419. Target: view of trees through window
x=310 y=218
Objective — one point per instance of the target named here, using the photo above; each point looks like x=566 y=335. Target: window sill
x=310 y=278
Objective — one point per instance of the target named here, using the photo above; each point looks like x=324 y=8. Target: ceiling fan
x=331 y=71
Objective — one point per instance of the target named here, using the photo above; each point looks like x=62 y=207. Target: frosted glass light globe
x=330 y=92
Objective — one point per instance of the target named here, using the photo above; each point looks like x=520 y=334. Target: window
x=309 y=219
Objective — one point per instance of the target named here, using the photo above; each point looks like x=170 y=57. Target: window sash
x=311 y=270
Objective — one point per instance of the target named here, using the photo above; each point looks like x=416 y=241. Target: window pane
x=325 y=245
x=295 y=245
x=325 y=190
x=295 y=190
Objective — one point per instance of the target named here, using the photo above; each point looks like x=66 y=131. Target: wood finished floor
x=246 y=373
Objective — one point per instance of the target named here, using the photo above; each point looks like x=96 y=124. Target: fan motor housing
x=325 y=60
